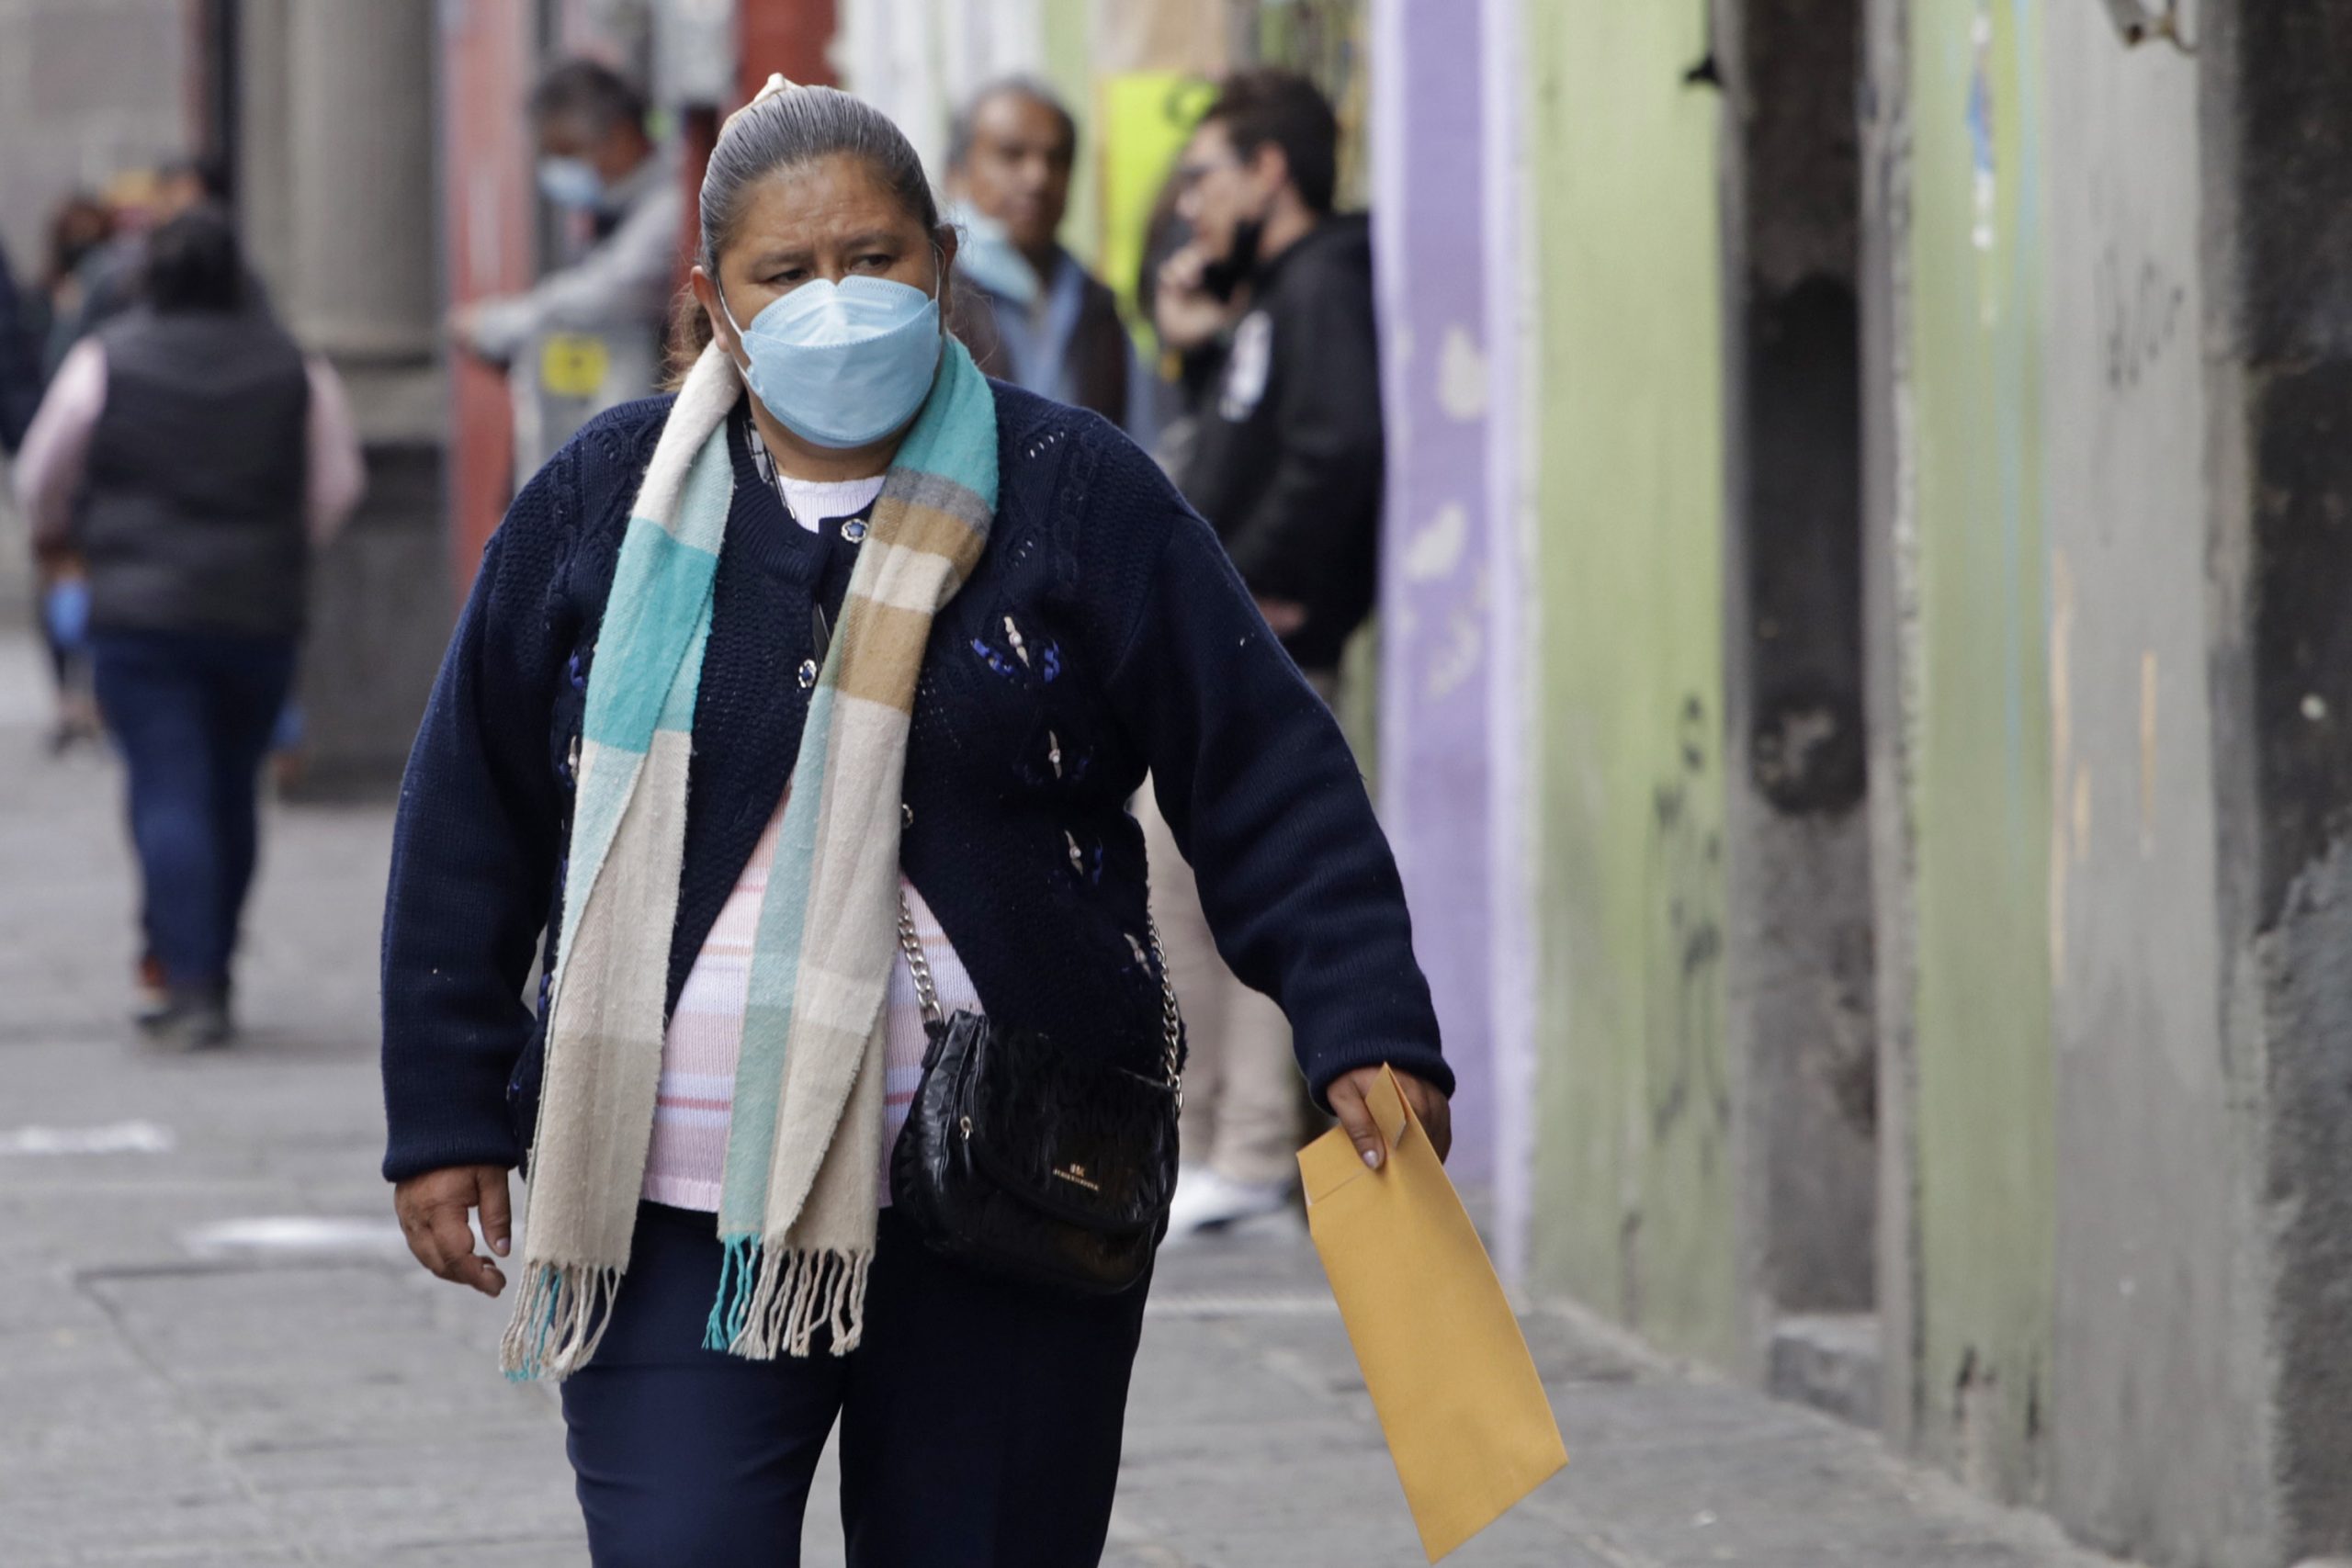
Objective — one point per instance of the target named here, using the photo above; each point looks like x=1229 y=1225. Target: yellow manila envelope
x=1442 y=1357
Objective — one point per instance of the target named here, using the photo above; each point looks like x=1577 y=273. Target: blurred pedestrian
x=1030 y=313
x=1284 y=461
x=589 y=336
x=78 y=232
x=920 y=634
x=192 y=457
x=19 y=361
x=109 y=280
x=1287 y=467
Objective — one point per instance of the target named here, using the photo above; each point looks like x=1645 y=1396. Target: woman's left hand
x=1347 y=1095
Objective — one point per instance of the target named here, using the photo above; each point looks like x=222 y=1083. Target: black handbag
x=1026 y=1160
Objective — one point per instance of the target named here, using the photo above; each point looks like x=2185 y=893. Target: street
x=215 y=1350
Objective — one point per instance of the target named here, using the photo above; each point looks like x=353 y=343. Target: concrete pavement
x=213 y=1350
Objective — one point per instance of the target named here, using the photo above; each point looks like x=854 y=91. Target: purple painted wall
x=1428 y=209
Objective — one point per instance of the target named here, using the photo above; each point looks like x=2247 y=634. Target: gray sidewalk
x=214 y=1351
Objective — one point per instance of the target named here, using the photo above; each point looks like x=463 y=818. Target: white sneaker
x=1206 y=1201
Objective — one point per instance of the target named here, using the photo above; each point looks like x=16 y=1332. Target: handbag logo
x=1076 y=1176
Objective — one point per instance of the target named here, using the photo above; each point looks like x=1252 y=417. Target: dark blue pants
x=980 y=1420
x=192 y=713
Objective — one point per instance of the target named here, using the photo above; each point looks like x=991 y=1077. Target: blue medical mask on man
x=572 y=184
x=990 y=259
x=844 y=364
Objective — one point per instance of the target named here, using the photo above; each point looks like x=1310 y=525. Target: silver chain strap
x=1172 y=1022
x=917 y=964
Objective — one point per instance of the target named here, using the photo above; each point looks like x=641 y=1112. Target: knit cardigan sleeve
x=474 y=851
x=1264 y=795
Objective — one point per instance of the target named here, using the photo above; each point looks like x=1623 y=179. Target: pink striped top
x=685 y=1167
x=687 y=1162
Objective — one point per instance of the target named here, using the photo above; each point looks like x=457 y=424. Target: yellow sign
x=573 y=364
x=1148 y=115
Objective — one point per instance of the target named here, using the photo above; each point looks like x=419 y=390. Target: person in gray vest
x=194 y=458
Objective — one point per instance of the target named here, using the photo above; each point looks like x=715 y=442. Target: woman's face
x=829 y=219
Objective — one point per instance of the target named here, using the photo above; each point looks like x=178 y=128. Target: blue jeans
x=192 y=713
x=980 y=1420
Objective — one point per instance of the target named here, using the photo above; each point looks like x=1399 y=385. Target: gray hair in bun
x=788 y=126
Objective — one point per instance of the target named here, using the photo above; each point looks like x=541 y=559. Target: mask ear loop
x=728 y=310
x=939 y=288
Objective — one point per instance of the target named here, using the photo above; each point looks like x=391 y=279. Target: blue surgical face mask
x=842 y=365
x=572 y=183
x=991 y=260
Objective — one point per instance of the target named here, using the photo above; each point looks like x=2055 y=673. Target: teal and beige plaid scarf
x=797 y=1211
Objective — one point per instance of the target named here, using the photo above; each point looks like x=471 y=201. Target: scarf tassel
x=771 y=1303
x=559 y=1317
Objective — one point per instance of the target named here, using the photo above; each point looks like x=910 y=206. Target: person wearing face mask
x=1032 y=314
x=107 y=279
x=588 y=336
x=789 y=731
x=1272 y=297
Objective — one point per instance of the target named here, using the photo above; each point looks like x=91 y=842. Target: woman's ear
x=943 y=242
x=721 y=330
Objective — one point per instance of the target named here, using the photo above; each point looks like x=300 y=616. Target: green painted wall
x=1986 y=1145
x=1632 y=1181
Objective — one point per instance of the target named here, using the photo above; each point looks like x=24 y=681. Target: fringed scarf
x=797 y=1211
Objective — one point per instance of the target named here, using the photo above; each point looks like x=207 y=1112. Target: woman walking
x=802 y=722
x=191 y=459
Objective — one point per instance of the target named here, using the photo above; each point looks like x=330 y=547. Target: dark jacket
x=20 y=377
x=1286 y=460
x=1145 y=652
x=192 y=512
x=1096 y=366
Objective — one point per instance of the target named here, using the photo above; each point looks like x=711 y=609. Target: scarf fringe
x=727 y=1313
x=560 y=1318
x=773 y=1302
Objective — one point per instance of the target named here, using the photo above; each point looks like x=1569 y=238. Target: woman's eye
x=787 y=277
x=877 y=261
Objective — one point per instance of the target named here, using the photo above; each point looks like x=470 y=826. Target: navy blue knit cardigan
x=1145 y=652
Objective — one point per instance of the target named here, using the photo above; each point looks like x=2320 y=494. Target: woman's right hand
x=432 y=1209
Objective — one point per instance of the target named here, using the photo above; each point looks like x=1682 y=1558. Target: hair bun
x=778 y=84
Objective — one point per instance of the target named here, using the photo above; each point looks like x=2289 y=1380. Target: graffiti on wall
x=2137 y=295
x=1685 y=963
